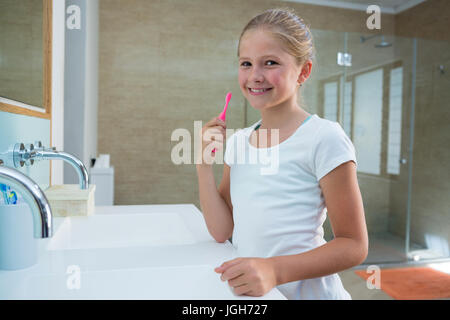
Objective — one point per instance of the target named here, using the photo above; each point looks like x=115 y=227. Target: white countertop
x=127 y=252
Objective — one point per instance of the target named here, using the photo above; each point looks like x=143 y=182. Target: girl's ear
x=305 y=72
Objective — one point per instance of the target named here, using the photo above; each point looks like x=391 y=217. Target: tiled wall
x=428 y=20
x=430 y=213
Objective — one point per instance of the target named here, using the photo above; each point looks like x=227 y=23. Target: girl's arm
x=350 y=245
x=215 y=203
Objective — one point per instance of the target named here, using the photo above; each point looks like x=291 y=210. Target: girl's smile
x=258 y=91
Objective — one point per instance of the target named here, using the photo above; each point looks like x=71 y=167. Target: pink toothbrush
x=222 y=115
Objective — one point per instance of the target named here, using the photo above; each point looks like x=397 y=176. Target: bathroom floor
x=358 y=289
x=389 y=248
x=388 y=251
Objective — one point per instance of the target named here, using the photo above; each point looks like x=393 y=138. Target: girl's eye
x=248 y=64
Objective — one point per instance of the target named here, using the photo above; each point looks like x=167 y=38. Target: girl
x=275 y=220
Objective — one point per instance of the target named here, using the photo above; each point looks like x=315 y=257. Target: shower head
x=383 y=43
x=364 y=39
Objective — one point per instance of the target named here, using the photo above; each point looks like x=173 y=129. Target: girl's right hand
x=212 y=132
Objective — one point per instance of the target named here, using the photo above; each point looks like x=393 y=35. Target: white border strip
x=57 y=134
x=22 y=105
x=358 y=6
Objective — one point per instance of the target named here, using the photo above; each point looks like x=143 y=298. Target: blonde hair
x=286 y=26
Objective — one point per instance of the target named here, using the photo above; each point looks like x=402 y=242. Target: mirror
x=25 y=49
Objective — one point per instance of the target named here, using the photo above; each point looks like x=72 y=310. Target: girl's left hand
x=249 y=276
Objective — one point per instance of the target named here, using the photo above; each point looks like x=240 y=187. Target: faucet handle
x=38 y=144
x=29 y=154
x=23 y=154
x=18 y=155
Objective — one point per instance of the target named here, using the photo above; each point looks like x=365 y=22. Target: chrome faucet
x=42 y=153
x=28 y=154
x=34 y=196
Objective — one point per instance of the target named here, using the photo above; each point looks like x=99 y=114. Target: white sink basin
x=127 y=252
x=128 y=230
x=188 y=282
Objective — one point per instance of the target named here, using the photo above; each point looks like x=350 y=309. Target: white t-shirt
x=278 y=205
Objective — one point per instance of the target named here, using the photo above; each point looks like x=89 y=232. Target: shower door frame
x=394 y=63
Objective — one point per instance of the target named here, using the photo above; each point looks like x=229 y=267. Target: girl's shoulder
x=322 y=123
x=328 y=135
x=323 y=128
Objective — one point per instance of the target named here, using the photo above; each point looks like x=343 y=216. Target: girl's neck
x=282 y=116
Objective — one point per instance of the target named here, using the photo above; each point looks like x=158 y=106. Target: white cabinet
x=103 y=178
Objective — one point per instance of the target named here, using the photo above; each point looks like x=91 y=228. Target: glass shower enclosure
x=390 y=94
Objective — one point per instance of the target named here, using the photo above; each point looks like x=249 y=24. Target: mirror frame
x=47 y=70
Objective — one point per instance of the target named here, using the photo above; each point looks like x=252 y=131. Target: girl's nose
x=256 y=75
